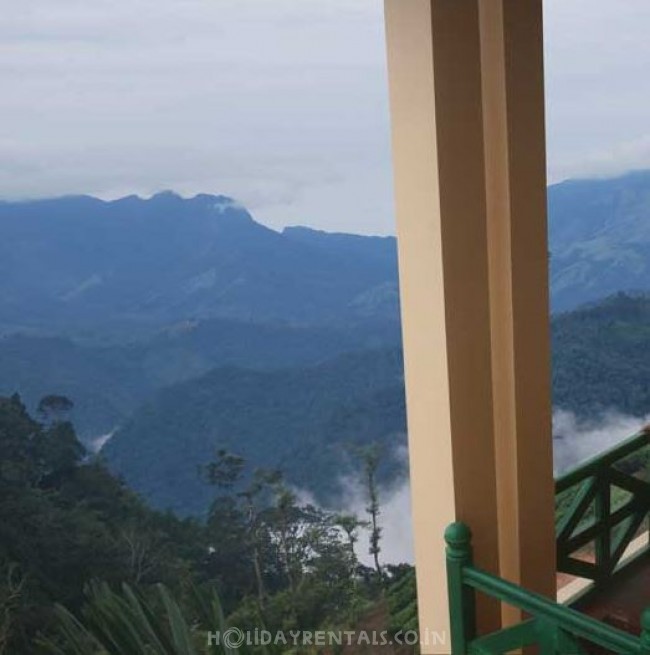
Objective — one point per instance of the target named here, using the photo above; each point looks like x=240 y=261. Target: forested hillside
x=306 y=416
x=64 y=519
x=302 y=420
x=601 y=358
x=215 y=352
x=86 y=567
x=599 y=238
x=109 y=381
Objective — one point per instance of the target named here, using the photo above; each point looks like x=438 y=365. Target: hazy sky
x=281 y=104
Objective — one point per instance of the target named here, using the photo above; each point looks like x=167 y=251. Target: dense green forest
x=86 y=567
x=109 y=379
x=300 y=419
x=601 y=359
x=302 y=403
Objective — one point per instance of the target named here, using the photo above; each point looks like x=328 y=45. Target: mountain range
x=81 y=265
x=181 y=326
x=599 y=238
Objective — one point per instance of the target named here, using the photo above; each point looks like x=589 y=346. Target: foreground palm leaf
x=126 y=623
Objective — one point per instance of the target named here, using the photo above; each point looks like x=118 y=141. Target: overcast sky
x=281 y=104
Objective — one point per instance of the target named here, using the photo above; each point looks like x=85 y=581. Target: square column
x=512 y=54
x=467 y=105
x=436 y=106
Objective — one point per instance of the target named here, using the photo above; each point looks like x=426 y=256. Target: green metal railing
x=601 y=507
x=602 y=503
x=555 y=629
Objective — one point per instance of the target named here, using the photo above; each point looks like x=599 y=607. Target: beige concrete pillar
x=513 y=113
x=467 y=106
x=436 y=106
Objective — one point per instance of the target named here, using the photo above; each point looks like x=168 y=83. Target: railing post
x=645 y=631
x=602 y=507
x=461 y=598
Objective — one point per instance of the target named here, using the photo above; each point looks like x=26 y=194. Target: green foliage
x=126 y=622
x=370 y=456
x=306 y=417
x=401 y=597
x=53 y=406
x=601 y=359
x=108 y=381
x=64 y=522
x=294 y=562
x=297 y=419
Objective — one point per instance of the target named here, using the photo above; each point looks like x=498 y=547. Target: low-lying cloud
x=394 y=520
x=576 y=440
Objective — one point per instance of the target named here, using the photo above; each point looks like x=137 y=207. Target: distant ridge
x=79 y=261
x=599 y=233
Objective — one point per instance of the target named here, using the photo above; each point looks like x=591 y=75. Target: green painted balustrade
x=600 y=508
x=553 y=628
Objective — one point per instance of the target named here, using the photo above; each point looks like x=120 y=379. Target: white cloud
x=598 y=89
x=395 y=520
x=576 y=441
x=282 y=104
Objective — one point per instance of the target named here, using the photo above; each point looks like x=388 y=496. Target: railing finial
x=458 y=537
